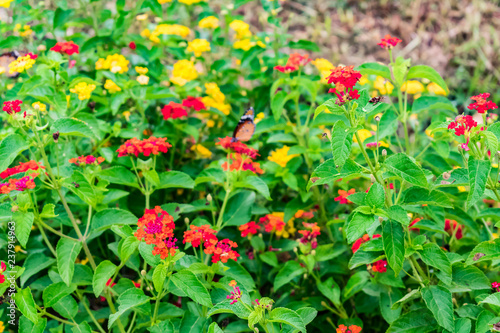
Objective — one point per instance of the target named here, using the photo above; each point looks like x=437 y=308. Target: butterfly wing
x=246 y=127
x=6 y=59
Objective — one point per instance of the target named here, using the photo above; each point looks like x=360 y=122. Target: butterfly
x=6 y=59
x=246 y=127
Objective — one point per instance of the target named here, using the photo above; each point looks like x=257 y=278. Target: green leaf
x=269 y=258
x=303 y=44
x=331 y=106
x=434 y=256
x=405 y=168
x=467 y=278
x=237 y=309
x=53 y=293
x=374 y=68
x=66 y=307
x=355 y=284
x=421 y=196
x=414 y=294
x=485 y=251
x=279 y=100
x=239 y=209
x=327 y=172
x=112 y=216
x=119 y=175
x=162 y=327
x=214 y=328
x=483 y=321
x=175 y=179
x=159 y=276
x=418 y=321
x=48 y=211
x=11 y=146
x=397 y=213
x=358 y=224
x=341 y=143
x=35 y=263
x=26 y=304
x=386 y=301
x=394 y=244
x=67 y=251
x=79 y=185
x=127 y=247
x=27 y=326
x=330 y=289
x=429 y=73
x=400 y=68
x=191 y=286
x=103 y=273
x=74 y=127
x=463 y=325
x=240 y=274
x=493 y=299
x=60 y=17
x=375 y=196
x=287 y=273
x=192 y=323
x=130 y=299
x=289 y=317
x=255 y=183
x=429 y=103
x=438 y=300
x=213 y=175
x=364 y=257
x=478 y=175
x=24 y=223
x=83 y=327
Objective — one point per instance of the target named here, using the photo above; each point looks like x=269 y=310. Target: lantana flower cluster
x=12 y=107
x=22 y=184
x=481 y=104
x=116 y=63
x=156 y=227
x=68 y=48
x=294 y=63
x=22 y=167
x=146 y=147
x=22 y=63
x=240 y=155
x=344 y=78
x=221 y=250
x=86 y=160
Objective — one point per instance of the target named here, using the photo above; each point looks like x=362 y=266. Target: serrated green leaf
x=394 y=244
x=438 y=300
x=405 y=168
x=67 y=251
x=478 y=175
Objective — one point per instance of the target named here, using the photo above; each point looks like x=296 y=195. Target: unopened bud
x=295 y=249
x=372 y=178
x=377 y=118
x=41 y=48
x=305 y=276
x=380 y=219
x=446 y=175
x=14 y=209
x=209 y=198
x=143 y=272
x=313 y=252
x=36 y=107
x=260 y=235
x=91 y=104
x=186 y=220
x=55 y=136
x=384 y=152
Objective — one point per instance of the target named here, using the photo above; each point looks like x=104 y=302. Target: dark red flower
x=12 y=106
x=356 y=245
x=380 y=266
x=389 y=42
x=482 y=105
x=194 y=103
x=462 y=124
x=173 y=111
x=132 y=45
x=452 y=226
x=250 y=228
x=344 y=78
x=66 y=47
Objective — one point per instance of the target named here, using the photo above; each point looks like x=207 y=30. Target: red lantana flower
x=452 y=226
x=221 y=250
x=194 y=103
x=286 y=69
x=462 y=125
x=380 y=266
x=294 y=62
x=238 y=162
x=237 y=147
x=173 y=111
x=146 y=147
x=357 y=244
x=310 y=235
x=482 y=105
x=27 y=182
x=389 y=42
x=342 y=198
x=350 y=329
x=12 y=107
x=344 y=78
x=66 y=47
x=3 y=268
x=250 y=228
x=132 y=45
x=156 y=227
x=199 y=235
x=22 y=167
x=235 y=294
x=86 y=160
x=494 y=285
x=272 y=223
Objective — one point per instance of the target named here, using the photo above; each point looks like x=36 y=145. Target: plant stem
x=99 y=327
x=113 y=310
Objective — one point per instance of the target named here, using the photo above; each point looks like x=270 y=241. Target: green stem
x=96 y=323
x=113 y=310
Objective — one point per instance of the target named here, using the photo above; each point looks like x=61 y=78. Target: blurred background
x=459 y=38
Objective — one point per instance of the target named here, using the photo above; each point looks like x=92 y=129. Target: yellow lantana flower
x=413 y=87
x=436 y=89
x=116 y=63
x=39 y=106
x=161 y=2
x=183 y=72
x=190 y=2
x=201 y=151
x=21 y=64
x=383 y=86
x=111 y=87
x=5 y=3
x=141 y=70
x=142 y=17
x=281 y=157
x=243 y=44
x=324 y=67
x=198 y=46
x=143 y=79
x=363 y=135
x=210 y=22
x=168 y=29
x=83 y=89
x=241 y=28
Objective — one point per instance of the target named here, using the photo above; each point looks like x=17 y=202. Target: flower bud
x=305 y=276
x=313 y=252
x=384 y=152
x=41 y=48
x=446 y=175
x=373 y=179
x=295 y=249
x=260 y=235
x=209 y=198
x=377 y=118
x=380 y=219
x=14 y=209
x=186 y=220
x=143 y=272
